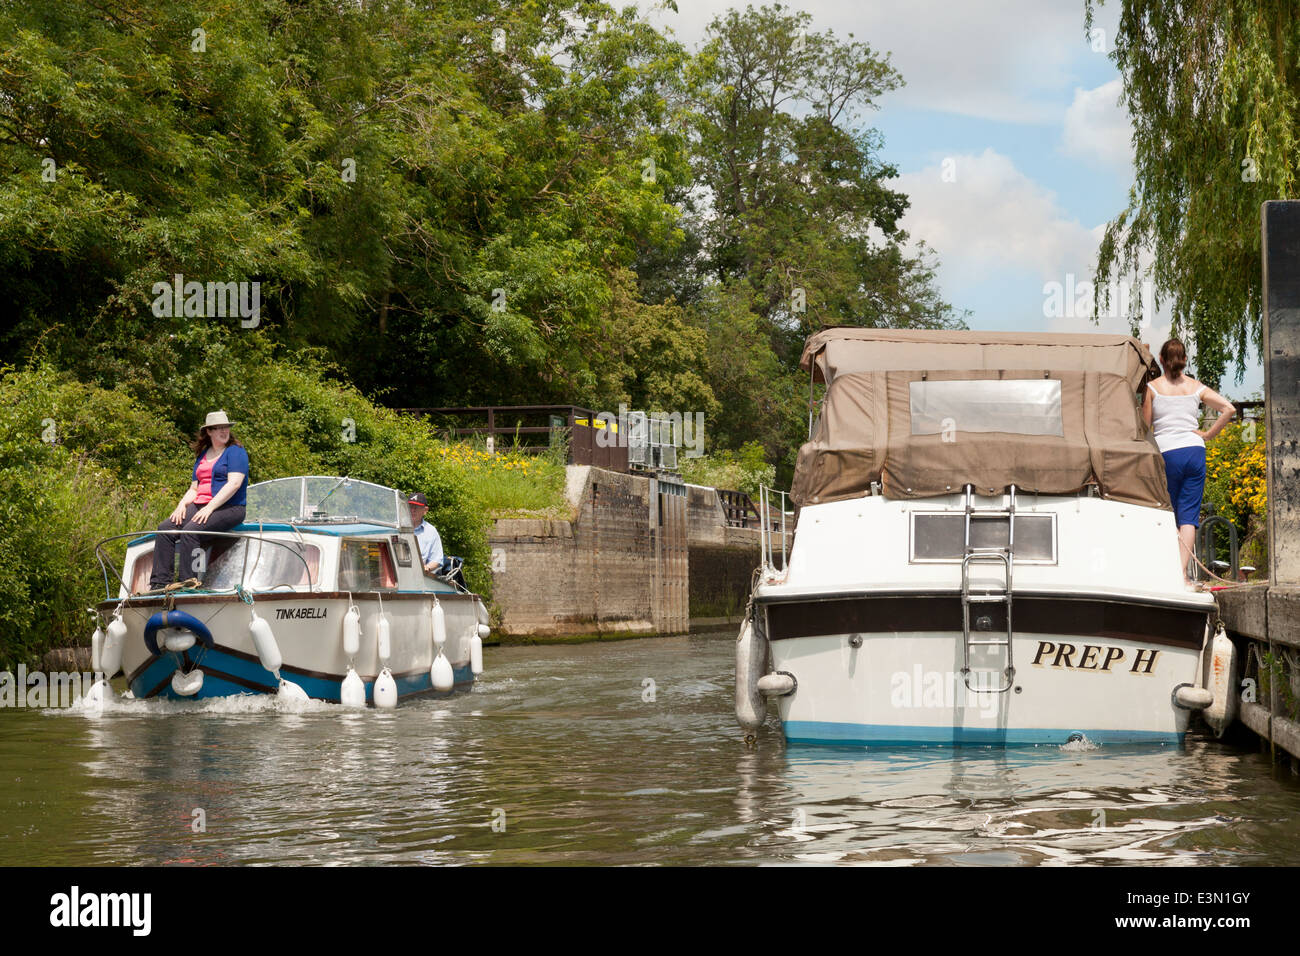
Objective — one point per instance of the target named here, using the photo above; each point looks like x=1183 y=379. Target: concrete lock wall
x=641 y=556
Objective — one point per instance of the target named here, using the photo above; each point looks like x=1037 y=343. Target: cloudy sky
x=1010 y=98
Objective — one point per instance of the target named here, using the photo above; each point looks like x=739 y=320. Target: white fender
x=352 y=632
x=1221 y=681
x=187 y=685
x=441 y=674
x=476 y=655
x=751 y=664
x=384 y=640
x=439 y=625
x=385 y=690
x=268 y=651
x=776 y=685
x=110 y=655
x=291 y=692
x=484 y=632
x=178 y=639
x=353 y=691
x=1190 y=697
x=97 y=650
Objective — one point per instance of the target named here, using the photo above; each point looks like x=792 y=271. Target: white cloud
x=995 y=225
x=993 y=216
x=1097 y=128
x=1011 y=61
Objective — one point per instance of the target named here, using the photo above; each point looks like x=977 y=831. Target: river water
x=615 y=753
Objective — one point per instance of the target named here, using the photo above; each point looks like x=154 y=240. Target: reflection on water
x=563 y=755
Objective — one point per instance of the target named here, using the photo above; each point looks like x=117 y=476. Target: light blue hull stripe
x=886 y=735
x=214 y=686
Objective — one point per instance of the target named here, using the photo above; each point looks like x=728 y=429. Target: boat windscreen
x=317 y=498
x=262 y=565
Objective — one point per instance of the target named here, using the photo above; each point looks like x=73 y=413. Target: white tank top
x=1174 y=419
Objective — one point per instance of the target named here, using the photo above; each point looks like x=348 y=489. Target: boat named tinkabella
x=984 y=553
x=318 y=593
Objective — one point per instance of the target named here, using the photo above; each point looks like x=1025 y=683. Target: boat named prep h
x=984 y=553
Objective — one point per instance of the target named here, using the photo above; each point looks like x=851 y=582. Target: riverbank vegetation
x=407 y=204
x=744 y=470
x=1236 y=488
x=510 y=482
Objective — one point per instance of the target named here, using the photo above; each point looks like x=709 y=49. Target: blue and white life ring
x=178 y=619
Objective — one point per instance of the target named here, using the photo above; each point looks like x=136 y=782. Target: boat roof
x=926 y=413
x=839 y=350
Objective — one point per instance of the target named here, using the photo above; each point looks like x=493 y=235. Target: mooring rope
x=169 y=592
x=1226 y=583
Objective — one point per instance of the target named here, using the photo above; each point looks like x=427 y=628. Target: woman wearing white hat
x=214 y=502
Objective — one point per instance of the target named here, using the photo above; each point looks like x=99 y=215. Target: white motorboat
x=984 y=554
x=319 y=593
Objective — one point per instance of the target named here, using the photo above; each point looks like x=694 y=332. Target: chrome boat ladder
x=1005 y=557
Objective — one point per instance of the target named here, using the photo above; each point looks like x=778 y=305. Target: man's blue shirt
x=430 y=543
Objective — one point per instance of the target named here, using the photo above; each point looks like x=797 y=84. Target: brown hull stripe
x=1145 y=624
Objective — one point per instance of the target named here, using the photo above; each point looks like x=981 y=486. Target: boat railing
x=770 y=527
x=249 y=566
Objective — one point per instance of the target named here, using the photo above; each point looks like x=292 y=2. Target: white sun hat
x=216 y=420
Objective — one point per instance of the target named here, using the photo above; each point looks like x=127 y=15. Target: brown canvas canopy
x=852 y=349
x=1047 y=413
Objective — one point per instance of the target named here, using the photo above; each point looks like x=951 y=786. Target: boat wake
x=116 y=705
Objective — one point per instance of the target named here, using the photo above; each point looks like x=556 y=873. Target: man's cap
x=417 y=499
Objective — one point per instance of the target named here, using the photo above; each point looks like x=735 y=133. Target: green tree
x=790 y=224
x=799 y=208
x=441 y=194
x=1212 y=91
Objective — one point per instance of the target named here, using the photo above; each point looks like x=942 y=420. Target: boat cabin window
x=942 y=536
x=1017 y=406
x=263 y=565
x=365 y=566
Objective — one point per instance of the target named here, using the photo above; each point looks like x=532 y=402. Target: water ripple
x=560 y=755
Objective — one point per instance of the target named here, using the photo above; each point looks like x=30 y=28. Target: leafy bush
x=1235 y=486
x=743 y=471
x=77 y=463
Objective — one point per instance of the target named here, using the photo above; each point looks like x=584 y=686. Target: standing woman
x=215 y=501
x=1171 y=408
